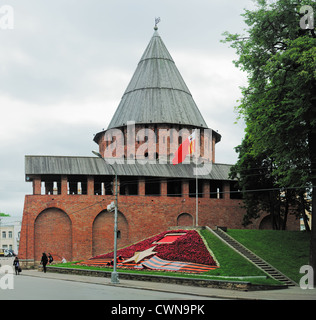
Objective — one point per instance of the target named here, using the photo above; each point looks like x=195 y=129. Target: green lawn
x=231 y=264
x=285 y=250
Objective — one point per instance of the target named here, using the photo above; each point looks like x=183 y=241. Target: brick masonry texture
x=78 y=226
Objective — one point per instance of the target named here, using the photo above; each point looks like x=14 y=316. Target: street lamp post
x=114 y=274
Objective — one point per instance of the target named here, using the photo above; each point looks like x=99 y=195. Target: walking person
x=16 y=264
x=44 y=261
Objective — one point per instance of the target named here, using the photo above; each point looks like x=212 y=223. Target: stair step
x=253 y=258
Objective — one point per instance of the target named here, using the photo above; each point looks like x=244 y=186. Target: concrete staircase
x=253 y=258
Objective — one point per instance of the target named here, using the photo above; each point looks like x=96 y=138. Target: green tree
x=4 y=214
x=260 y=188
x=279 y=103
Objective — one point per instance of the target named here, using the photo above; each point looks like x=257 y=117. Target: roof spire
x=157 y=20
x=157 y=93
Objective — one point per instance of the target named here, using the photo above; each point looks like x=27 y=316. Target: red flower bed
x=187 y=248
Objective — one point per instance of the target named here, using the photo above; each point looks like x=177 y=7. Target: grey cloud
x=77 y=57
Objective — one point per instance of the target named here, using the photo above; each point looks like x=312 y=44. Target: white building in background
x=10 y=234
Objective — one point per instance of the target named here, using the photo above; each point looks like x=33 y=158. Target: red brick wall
x=78 y=227
x=103 y=232
x=53 y=234
x=185 y=219
x=51 y=222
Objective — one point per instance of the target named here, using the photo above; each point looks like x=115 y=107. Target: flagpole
x=196 y=189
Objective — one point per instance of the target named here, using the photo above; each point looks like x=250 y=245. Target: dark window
x=216 y=189
x=152 y=187
x=174 y=188
x=129 y=186
x=103 y=185
x=192 y=188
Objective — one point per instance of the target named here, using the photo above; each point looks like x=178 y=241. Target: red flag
x=187 y=147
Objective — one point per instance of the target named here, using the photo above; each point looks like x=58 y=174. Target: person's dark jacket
x=44 y=259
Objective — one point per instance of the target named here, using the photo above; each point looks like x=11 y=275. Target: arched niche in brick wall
x=185 y=220
x=103 y=232
x=53 y=234
x=267 y=222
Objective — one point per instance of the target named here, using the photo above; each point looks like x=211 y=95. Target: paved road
x=39 y=288
x=32 y=284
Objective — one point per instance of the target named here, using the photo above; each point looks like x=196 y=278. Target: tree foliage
x=278 y=104
x=4 y=214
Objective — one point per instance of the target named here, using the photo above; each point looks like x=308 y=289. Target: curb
x=196 y=282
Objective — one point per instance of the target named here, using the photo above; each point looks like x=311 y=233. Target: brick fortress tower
x=67 y=212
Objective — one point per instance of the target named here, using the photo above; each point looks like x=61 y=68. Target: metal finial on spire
x=157 y=20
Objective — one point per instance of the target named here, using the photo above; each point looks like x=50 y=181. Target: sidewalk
x=292 y=293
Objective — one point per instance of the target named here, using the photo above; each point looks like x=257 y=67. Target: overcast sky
x=66 y=64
